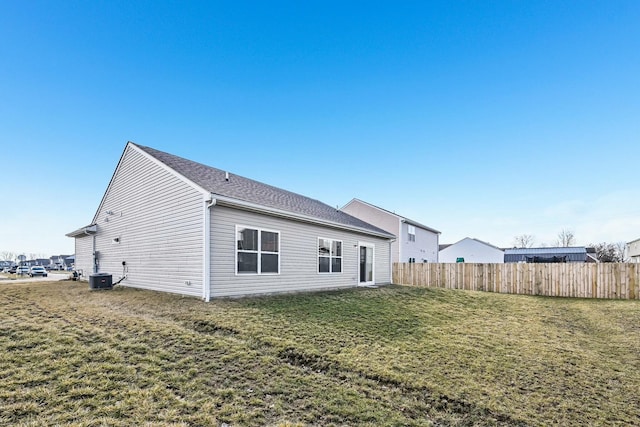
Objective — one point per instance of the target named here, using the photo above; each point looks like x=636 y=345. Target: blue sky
x=479 y=119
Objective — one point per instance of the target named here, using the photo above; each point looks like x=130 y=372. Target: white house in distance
x=471 y=250
x=415 y=242
x=170 y=224
x=633 y=251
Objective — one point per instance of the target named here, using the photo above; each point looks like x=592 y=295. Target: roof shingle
x=244 y=189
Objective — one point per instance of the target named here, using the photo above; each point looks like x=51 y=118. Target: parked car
x=12 y=270
x=37 y=270
x=22 y=270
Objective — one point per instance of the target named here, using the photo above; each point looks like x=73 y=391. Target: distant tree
x=566 y=238
x=609 y=252
x=622 y=250
x=523 y=241
x=7 y=256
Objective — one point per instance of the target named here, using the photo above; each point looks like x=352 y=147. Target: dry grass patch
x=390 y=356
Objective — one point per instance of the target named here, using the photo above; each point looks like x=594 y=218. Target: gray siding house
x=170 y=224
x=415 y=242
x=633 y=251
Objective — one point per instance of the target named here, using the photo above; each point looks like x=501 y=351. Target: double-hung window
x=412 y=233
x=329 y=256
x=257 y=251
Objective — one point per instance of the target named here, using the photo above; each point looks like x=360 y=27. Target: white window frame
x=330 y=256
x=259 y=252
x=373 y=262
x=411 y=228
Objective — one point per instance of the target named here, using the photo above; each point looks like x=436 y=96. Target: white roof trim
x=86 y=230
x=169 y=169
x=133 y=146
x=240 y=204
x=475 y=240
x=400 y=217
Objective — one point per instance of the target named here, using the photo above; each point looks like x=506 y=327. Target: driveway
x=53 y=277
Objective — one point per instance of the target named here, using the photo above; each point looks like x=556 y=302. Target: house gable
x=358 y=204
x=131 y=148
x=421 y=247
x=472 y=250
x=370 y=213
x=151 y=219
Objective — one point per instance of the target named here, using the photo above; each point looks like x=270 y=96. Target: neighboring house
x=70 y=261
x=633 y=251
x=173 y=225
x=29 y=262
x=60 y=262
x=570 y=254
x=471 y=250
x=6 y=264
x=415 y=242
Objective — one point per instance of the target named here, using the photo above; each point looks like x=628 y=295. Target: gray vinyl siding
x=633 y=251
x=381 y=219
x=159 y=220
x=84 y=256
x=298 y=256
x=424 y=249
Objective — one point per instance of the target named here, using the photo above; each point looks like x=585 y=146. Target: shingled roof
x=244 y=189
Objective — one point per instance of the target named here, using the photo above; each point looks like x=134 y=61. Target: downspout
x=93 y=249
x=95 y=258
x=206 y=266
x=391 y=261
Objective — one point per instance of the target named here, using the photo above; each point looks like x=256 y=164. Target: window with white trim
x=412 y=232
x=257 y=251
x=329 y=255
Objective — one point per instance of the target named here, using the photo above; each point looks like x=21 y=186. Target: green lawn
x=389 y=356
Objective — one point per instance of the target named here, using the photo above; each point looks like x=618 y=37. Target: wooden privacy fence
x=602 y=280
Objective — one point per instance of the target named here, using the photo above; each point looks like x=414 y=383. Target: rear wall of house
x=298 y=256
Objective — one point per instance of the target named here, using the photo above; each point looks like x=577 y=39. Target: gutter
x=240 y=204
x=206 y=262
x=87 y=231
x=417 y=224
